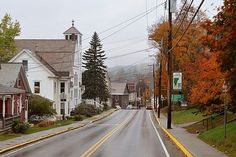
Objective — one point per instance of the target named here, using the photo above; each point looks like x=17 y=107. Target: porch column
x=20 y=103
x=3 y=106
x=12 y=104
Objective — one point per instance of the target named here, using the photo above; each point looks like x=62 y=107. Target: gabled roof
x=9 y=73
x=4 y=90
x=56 y=54
x=72 y=30
x=119 y=88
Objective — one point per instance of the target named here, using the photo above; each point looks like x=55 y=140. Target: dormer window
x=25 y=64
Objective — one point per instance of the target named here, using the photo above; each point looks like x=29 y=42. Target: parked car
x=118 y=107
x=129 y=107
x=149 y=107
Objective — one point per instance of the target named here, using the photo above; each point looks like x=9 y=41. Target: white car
x=118 y=107
x=129 y=107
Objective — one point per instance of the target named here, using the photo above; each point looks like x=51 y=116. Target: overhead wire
x=123 y=22
x=149 y=11
x=195 y=14
x=182 y=21
x=185 y=2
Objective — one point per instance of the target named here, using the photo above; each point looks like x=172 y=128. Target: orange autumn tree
x=224 y=30
x=207 y=91
x=188 y=50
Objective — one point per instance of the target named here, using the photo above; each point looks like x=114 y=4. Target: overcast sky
x=48 y=19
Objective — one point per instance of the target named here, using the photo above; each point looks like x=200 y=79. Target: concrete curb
x=4 y=150
x=174 y=139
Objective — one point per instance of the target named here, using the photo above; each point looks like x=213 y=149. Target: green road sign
x=177 y=97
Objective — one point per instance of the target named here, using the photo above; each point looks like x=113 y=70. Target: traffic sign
x=177 y=81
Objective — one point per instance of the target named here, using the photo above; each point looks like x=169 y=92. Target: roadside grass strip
x=174 y=139
x=94 y=147
x=10 y=148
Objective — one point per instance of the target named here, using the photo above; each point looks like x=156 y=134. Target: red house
x=14 y=91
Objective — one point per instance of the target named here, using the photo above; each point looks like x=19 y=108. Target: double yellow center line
x=94 y=147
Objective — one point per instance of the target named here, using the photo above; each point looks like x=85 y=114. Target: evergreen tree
x=94 y=77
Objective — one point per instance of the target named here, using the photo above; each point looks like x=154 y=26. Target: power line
x=113 y=57
x=188 y=25
x=151 y=10
x=180 y=11
x=182 y=21
x=124 y=22
x=146 y=12
x=130 y=53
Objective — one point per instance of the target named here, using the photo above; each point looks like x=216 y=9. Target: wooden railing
x=7 y=122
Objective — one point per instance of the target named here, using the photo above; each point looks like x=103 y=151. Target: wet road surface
x=126 y=133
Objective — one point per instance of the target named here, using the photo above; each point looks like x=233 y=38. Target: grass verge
x=59 y=123
x=215 y=137
x=186 y=116
x=7 y=136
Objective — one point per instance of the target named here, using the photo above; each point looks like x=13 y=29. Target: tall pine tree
x=94 y=77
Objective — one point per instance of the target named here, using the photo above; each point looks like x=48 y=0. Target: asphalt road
x=126 y=133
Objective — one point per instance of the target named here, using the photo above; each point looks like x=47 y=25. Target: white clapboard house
x=53 y=68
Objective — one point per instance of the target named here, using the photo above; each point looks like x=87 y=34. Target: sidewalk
x=197 y=147
x=52 y=132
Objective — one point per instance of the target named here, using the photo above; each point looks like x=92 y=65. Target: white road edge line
x=159 y=137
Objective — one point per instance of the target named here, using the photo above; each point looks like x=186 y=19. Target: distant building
x=14 y=92
x=53 y=68
x=119 y=94
x=132 y=93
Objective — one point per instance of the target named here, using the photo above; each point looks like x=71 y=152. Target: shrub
x=40 y=106
x=86 y=110
x=78 y=118
x=19 y=127
x=45 y=123
x=105 y=107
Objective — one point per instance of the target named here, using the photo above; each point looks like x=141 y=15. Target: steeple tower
x=72 y=33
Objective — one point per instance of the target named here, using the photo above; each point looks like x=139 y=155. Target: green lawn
x=7 y=136
x=186 y=116
x=57 y=124
x=215 y=137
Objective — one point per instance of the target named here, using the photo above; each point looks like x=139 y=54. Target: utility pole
x=159 y=92
x=154 y=87
x=169 y=90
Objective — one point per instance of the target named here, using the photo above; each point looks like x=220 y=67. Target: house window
x=25 y=64
x=62 y=89
x=62 y=108
x=75 y=93
x=37 y=87
x=18 y=83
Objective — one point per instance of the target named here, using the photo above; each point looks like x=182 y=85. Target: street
x=129 y=133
